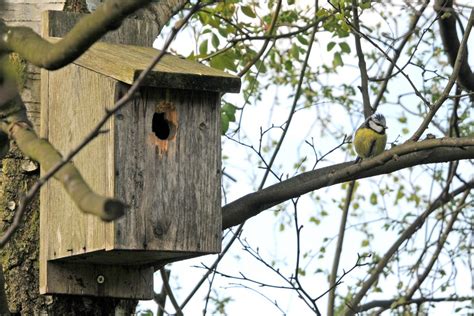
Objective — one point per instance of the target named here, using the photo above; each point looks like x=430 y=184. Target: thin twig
x=160 y=299
x=296 y=98
x=441 y=241
x=303 y=294
x=166 y=284
x=406 y=234
x=452 y=80
x=397 y=55
x=338 y=252
x=364 y=78
x=265 y=44
x=262 y=183
x=213 y=266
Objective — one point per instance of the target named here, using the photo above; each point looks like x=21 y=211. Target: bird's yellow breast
x=368 y=143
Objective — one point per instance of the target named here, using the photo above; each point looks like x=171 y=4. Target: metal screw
x=100 y=279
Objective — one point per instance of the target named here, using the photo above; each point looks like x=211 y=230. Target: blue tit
x=370 y=138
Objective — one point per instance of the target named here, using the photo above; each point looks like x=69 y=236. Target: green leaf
x=203 y=48
x=337 y=61
x=373 y=199
x=295 y=52
x=365 y=4
x=215 y=41
x=322 y=13
x=302 y=39
x=224 y=123
x=248 y=11
x=365 y=243
x=314 y=220
x=402 y=119
x=345 y=48
x=330 y=46
x=223 y=61
x=282 y=227
x=229 y=110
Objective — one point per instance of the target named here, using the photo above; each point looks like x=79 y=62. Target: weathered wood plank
x=144 y=32
x=57 y=24
x=75 y=114
x=175 y=203
x=99 y=280
x=28 y=13
x=126 y=62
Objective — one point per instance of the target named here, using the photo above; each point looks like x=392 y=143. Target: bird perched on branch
x=370 y=138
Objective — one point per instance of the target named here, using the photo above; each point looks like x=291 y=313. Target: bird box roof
x=126 y=62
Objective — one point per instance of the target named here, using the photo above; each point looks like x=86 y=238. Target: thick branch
x=400 y=157
x=449 y=36
x=86 y=32
x=42 y=151
x=388 y=303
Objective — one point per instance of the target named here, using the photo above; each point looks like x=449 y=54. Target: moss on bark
x=20 y=256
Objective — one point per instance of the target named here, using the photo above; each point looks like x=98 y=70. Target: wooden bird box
x=160 y=154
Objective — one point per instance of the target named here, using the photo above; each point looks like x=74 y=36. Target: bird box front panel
x=167 y=167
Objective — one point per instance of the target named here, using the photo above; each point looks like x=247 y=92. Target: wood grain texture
x=82 y=279
x=72 y=114
x=28 y=13
x=144 y=32
x=174 y=194
x=80 y=104
x=126 y=62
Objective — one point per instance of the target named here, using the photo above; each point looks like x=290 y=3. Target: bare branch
x=338 y=252
x=166 y=284
x=407 y=233
x=267 y=41
x=387 y=303
x=364 y=78
x=399 y=157
x=397 y=54
x=439 y=247
x=447 y=28
x=452 y=80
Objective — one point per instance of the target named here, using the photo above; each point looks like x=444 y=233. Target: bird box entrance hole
x=162 y=127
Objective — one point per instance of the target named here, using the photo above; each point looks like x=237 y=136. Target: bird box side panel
x=168 y=170
x=77 y=98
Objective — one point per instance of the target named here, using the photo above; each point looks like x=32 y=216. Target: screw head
x=100 y=279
